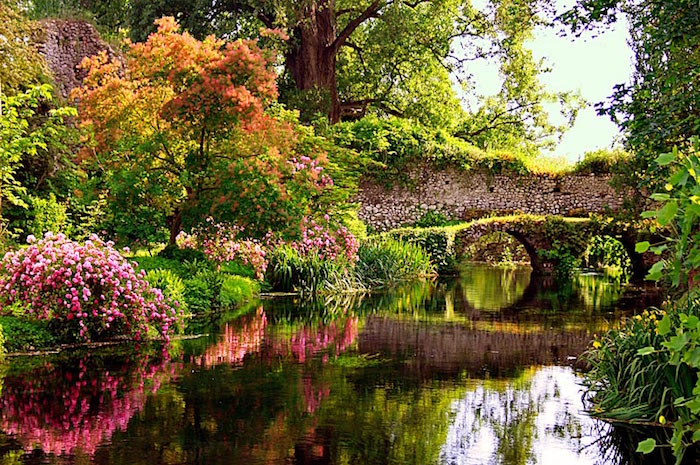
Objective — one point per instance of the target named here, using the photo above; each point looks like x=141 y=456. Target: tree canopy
x=660 y=107
x=348 y=58
x=181 y=133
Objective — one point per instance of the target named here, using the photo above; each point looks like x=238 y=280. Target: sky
x=589 y=64
x=592 y=66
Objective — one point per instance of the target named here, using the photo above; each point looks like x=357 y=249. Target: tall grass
x=626 y=385
x=289 y=271
x=383 y=261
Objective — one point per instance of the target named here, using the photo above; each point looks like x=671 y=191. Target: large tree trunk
x=311 y=59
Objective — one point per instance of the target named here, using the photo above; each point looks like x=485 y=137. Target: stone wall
x=465 y=195
x=64 y=44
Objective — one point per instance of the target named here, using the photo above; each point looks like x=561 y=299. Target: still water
x=474 y=370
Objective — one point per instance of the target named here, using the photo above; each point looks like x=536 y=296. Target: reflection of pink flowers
x=246 y=337
x=63 y=412
x=310 y=340
x=314 y=396
x=236 y=341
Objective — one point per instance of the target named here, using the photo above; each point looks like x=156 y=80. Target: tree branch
x=369 y=12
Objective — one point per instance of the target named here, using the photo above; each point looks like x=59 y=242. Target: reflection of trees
x=529 y=420
x=449 y=348
x=73 y=406
x=492 y=289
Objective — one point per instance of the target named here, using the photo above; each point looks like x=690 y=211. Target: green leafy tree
x=20 y=65
x=25 y=134
x=660 y=107
x=348 y=58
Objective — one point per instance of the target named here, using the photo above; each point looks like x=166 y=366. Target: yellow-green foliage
x=602 y=161
x=394 y=144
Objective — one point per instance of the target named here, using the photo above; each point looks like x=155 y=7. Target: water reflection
x=439 y=372
x=74 y=405
x=533 y=419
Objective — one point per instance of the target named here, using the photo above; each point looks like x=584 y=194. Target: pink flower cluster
x=90 y=286
x=64 y=411
x=221 y=243
x=305 y=164
x=327 y=240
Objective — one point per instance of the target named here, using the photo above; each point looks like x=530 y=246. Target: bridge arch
x=532 y=244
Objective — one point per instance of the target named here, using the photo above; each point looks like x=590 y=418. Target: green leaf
x=649 y=214
x=659 y=197
x=679 y=179
x=664 y=159
x=664 y=326
x=677 y=343
x=641 y=247
x=696 y=436
x=646 y=446
x=659 y=249
x=667 y=212
x=655 y=272
x=646 y=351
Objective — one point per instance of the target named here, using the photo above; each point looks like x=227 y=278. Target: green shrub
x=47 y=215
x=237 y=289
x=173 y=252
x=602 y=161
x=439 y=243
x=202 y=291
x=632 y=377
x=172 y=286
x=384 y=261
x=432 y=218
x=147 y=263
x=23 y=334
x=608 y=253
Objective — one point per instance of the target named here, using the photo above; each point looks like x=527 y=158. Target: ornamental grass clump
x=87 y=291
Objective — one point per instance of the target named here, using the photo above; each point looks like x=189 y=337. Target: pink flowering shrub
x=223 y=243
x=89 y=290
x=327 y=240
x=313 y=169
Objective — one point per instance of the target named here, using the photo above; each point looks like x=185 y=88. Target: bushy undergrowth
x=198 y=285
x=25 y=334
x=438 y=243
x=89 y=290
x=398 y=143
x=640 y=372
x=607 y=253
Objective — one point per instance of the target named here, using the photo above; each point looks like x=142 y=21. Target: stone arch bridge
x=547 y=239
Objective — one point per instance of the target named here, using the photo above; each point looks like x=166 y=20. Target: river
x=479 y=369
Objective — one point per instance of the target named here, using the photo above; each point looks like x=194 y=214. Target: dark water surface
x=475 y=370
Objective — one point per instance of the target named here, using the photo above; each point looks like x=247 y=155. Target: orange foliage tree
x=179 y=130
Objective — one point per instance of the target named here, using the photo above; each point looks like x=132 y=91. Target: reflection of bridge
x=452 y=348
